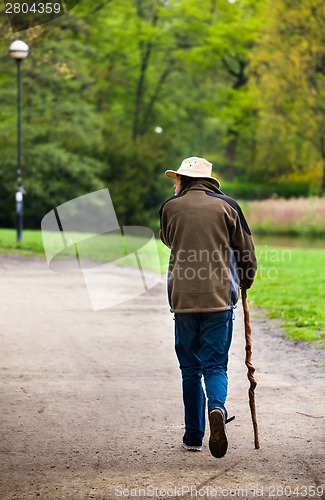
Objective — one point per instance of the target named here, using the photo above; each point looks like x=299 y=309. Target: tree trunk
x=232 y=135
x=139 y=93
x=231 y=154
x=145 y=53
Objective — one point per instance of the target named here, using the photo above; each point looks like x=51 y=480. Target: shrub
x=252 y=191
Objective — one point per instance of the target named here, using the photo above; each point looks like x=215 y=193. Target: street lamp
x=19 y=51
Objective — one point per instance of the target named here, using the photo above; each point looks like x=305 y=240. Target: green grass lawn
x=32 y=243
x=290 y=285
x=289 y=282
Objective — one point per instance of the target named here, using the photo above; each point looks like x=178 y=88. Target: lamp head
x=18 y=50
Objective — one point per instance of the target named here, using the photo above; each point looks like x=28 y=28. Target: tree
x=100 y=80
x=289 y=68
x=232 y=30
x=61 y=127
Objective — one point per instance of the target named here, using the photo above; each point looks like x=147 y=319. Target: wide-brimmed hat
x=194 y=167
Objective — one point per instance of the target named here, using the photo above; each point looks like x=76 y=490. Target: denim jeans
x=202 y=342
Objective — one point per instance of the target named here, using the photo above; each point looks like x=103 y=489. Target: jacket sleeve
x=163 y=232
x=243 y=246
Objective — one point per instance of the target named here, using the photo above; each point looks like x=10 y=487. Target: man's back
x=208 y=237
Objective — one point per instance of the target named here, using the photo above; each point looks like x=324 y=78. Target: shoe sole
x=192 y=448
x=218 y=442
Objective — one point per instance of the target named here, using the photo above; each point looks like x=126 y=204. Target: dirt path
x=91 y=401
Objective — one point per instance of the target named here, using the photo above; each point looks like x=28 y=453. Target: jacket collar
x=204 y=185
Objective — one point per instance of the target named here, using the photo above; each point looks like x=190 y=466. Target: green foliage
x=240 y=83
x=61 y=127
x=254 y=191
x=289 y=86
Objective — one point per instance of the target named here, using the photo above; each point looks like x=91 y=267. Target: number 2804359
x=34 y=8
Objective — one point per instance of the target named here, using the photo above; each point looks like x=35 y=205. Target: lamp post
x=19 y=51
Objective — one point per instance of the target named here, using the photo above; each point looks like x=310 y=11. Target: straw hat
x=194 y=167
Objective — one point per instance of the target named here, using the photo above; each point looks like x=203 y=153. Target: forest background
x=117 y=91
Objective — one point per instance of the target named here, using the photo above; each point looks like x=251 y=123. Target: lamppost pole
x=19 y=51
x=19 y=192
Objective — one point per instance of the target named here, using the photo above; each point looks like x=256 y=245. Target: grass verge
x=289 y=283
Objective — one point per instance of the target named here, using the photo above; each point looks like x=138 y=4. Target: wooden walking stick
x=251 y=369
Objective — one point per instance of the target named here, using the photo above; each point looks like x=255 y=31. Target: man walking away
x=212 y=255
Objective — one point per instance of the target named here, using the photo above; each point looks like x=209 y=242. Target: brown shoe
x=218 y=443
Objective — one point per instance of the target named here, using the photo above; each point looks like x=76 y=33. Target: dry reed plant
x=296 y=216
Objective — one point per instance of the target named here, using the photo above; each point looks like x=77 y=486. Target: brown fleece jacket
x=212 y=250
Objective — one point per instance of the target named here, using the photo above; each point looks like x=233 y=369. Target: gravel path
x=91 y=401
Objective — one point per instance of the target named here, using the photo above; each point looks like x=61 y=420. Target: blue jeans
x=202 y=342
